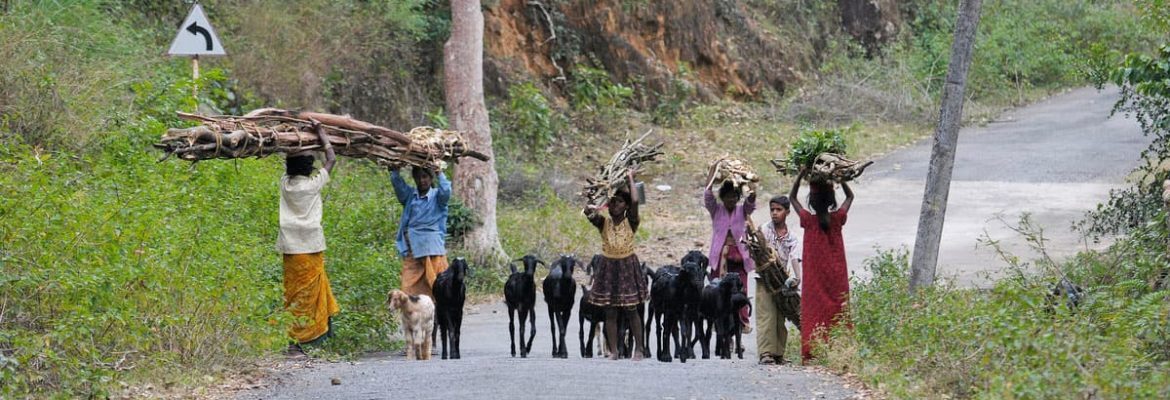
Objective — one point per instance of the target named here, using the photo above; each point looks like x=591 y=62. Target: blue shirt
x=424 y=218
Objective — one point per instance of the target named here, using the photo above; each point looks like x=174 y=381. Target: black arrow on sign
x=195 y=29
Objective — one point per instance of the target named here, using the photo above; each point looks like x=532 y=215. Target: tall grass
x=66 y=71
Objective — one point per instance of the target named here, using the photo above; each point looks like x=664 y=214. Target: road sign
x=196 y=37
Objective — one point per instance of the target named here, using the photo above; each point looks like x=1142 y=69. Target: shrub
x=592 y=90
x=1012 y=340
x=529 y=122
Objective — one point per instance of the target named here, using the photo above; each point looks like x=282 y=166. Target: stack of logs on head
x=734 y=170
x=269 y=131
x=613 y=176
x=828 y=168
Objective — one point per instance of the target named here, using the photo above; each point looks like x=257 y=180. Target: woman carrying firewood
x=825 y=287
x=618 y=284
x=728 y=227
x=302 y=241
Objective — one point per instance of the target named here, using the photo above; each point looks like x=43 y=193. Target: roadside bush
x=1009 y=341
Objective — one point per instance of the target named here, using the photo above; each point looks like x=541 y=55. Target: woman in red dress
x=825 y=288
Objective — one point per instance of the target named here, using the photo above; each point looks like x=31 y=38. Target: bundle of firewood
x=828 y=167
x=269 y=131
x=612 y=176
x=736 y=171
x=773 y=274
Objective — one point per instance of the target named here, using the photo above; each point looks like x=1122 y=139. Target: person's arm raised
x=796 y=206
x=632 y=210
x=330 y=156
x=848 y=197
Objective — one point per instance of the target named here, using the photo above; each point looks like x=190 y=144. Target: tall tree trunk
x=476 y=183
x=942 y=156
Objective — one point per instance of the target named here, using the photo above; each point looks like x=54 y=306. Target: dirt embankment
x=723 y=48
x=717 y=47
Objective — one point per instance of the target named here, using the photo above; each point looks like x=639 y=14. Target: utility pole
x=942 y=156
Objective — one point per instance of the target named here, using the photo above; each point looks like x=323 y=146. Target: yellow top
x=617 y=241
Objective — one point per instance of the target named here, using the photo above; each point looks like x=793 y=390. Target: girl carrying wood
x=619 y=286
x=825 y=286
x=728 y=227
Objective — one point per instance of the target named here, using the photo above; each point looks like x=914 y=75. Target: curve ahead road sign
x=196 y=37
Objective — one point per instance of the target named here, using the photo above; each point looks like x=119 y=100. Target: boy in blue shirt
x=422 y=231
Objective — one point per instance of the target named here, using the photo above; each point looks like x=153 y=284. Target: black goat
x=560 y=291
x=450 y=293
x=587 y=311
x=691 y=294
x=520 y=295
x=721 y=301
x=667 y=296
x=731 y=326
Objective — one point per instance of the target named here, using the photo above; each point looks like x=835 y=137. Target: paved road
x=487 y=371
x=1054 y=159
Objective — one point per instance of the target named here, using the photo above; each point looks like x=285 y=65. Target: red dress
x=825 y=289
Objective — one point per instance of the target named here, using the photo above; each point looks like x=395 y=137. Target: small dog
x=418 y=322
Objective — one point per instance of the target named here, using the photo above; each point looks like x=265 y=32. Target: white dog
x=418 y=322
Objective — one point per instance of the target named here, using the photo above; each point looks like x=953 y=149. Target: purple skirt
x=619 y=283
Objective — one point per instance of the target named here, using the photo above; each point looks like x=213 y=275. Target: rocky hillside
x=725 y=48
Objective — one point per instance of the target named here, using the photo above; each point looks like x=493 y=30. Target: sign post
x=196 y=37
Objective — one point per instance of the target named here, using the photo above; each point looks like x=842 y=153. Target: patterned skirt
x=619 y=283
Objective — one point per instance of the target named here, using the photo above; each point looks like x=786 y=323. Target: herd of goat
x=684 y=308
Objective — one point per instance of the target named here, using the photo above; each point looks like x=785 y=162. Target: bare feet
x=637 y=356
x=613 y=356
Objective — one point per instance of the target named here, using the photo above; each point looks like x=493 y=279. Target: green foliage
x=1015 y=50
x=1155 y=13
x=1009 y=341
x=673 y=102
x=438 y=118
x=460 y=220
x=592 y=90
x=529 y=121
x=65 y=71
x=1145 y=92
x=811 y=143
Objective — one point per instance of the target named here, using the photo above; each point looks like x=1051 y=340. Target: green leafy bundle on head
x=811 y=143
x=822 y=153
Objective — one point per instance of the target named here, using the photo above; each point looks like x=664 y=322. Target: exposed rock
x=646 y=44
x=871 y=22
